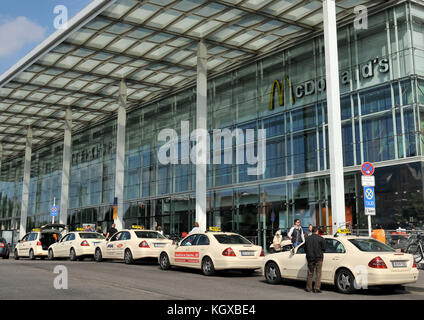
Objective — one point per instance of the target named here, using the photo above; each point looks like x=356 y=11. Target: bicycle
x=416 y=249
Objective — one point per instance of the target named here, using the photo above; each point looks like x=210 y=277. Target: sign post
x=53 y=210
x=368 y=183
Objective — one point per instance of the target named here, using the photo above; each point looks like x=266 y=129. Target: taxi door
x=22 y=246
x=202 y=246
x=59 y=250
x=68 y=243
x=186 y=254
x=334 y=255
x=122 y=242
x=297 y=266
x=110 y=251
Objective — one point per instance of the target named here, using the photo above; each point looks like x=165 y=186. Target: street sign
x=368 y=181
x=369 y=201
x=367 y=169
x=53 y=211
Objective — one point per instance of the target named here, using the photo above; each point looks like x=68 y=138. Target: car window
x=334 y=246
x=91 y=236
x=202 y=240
x=25 y=238
x=115 y=236
x=301 y=249
x=32 y=236
x=371 y=245
x=125 y=235
x=149 y=235
x=231 y=239
x=189 y=241
x=71 y=237
x=65 y=238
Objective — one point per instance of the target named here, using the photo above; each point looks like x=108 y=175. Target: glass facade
x=382 y=110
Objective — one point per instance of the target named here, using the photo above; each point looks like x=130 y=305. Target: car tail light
x=228 y=252
x=38 y=243
x=144 y=244
x=1 y=245
x=414 y=265
x=85 y=244
x=377 y=263
x=262 y=253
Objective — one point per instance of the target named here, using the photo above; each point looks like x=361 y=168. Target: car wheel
x=31 y=255
x=98 y=255
x=208 y=267
x=345 y=281
x=16 y=255
x=50 y=255
x=164 y=261
x=72 y=255
x=128 y=257
x=6 y=256
x=272 y=273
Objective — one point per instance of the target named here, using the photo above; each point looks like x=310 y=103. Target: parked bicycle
x=416 y=249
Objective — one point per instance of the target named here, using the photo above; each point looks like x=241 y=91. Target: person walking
x=309 y=232
x=296 y=234
x=314 y=248
x=196 y=228
x=111 y=231
x=160 y=230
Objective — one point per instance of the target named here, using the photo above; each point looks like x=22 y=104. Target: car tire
x=6 y=256
x=208 y=268
x=50 y=254
x=31 y=255
x=164 y=261
x=73 y=255
x=98 y=255
x=272 y=273
x=345 y=281
x=128 y=257
x=16 y=255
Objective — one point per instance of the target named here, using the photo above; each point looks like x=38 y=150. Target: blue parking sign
x=369 y=197
x=53 y=211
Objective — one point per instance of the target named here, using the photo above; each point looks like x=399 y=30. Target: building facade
x=382 y=106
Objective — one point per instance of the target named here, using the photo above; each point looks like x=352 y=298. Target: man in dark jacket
x=314 y=248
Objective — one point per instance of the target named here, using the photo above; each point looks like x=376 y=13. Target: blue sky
x=26 y=23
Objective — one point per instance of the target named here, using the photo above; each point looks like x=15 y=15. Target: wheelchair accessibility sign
x=369 y=201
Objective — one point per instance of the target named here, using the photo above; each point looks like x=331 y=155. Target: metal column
x=201 y=123
x=25 y=184
x=66 y=167
x=334 y=115
x=120 y=154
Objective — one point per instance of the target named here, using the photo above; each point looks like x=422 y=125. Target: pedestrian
x=111 y=231
x=314 y=248
x=196 y=228
x=309 y=232
x=276 y=242
x=99 y=230
x=296 y=234
x=160 y=230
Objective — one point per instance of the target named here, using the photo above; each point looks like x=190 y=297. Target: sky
x=26 y=23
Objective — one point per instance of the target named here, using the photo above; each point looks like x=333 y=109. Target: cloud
x=16 y=33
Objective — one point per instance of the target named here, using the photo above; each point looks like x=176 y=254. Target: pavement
x=88 y=280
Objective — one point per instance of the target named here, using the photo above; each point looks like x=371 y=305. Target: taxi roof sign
x=137 y=227
x=344 y=231
x=214 y=229
x=79 y=229
x=36 y=229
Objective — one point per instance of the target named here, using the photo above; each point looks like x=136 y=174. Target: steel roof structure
x=153 y=46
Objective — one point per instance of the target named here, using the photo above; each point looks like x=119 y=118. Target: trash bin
x=379 y=234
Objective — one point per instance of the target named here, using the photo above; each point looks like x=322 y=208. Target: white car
x=132 y=244
x=36 y=243
x=212 y=251
x=346 y=259
x=76 y=245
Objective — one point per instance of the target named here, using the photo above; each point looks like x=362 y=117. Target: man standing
x=296 y=234
x=111 y=232
x=314 y=248
x=196 y=228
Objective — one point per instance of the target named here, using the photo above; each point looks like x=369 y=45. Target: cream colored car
x=76 y=245
x=36 y=243
x=212 y=251
x=349 y=262
x=131 y=245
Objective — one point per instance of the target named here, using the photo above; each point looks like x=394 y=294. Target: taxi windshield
x=91 y=236
x=231 y=239
x=371 y=245
x=149 y=235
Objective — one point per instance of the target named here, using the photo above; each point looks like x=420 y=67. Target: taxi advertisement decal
x=120 y=245
x=191 y=255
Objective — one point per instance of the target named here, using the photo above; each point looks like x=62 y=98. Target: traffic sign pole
x=368 y=182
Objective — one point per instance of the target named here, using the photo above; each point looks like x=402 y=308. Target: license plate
x=159 y=245
x=399 y=264
x=247 y=253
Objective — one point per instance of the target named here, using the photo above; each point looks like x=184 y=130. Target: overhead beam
x=28 y=115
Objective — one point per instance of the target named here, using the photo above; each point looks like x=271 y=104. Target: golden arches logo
x=281 y=92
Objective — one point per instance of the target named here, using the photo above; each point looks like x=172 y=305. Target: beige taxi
x=213 y=251
x=350 y=263
x=36 y=243
x=76 y=245
x=132 y=244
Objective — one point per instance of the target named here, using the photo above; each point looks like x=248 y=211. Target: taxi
x=36 y=243
x=350 y=263
x=212 y=251
x=76 y=245
x=132 y=244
